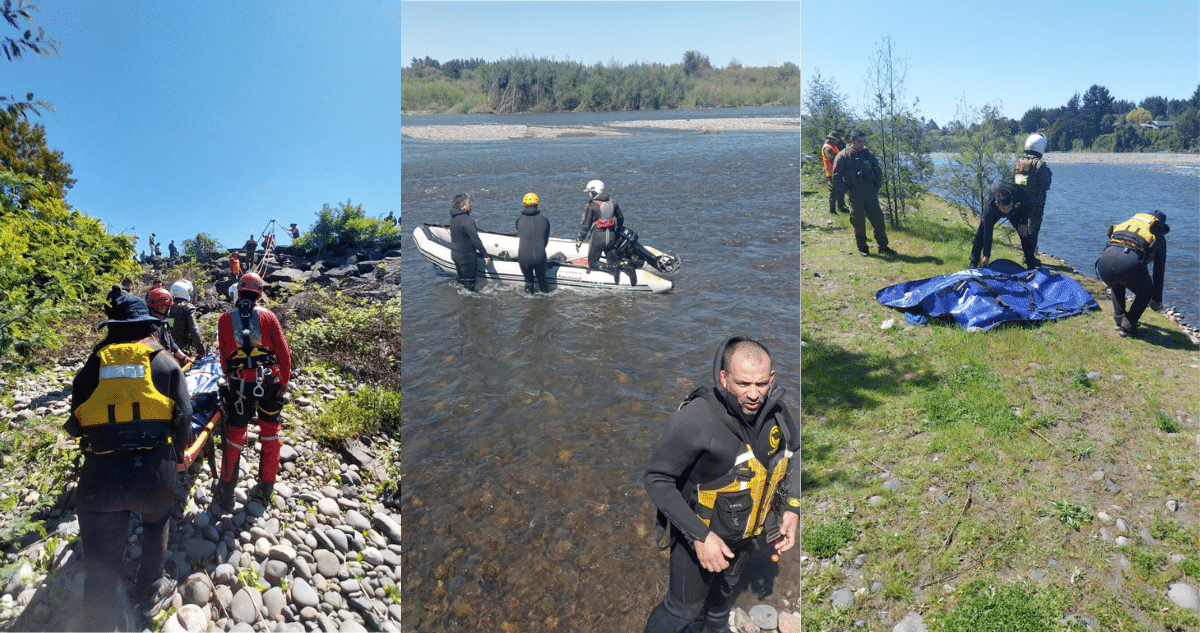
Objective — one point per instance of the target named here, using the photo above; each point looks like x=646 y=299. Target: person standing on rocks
x=1132 y=247
x=249 y=248
x=727 y=467
x=1007 y=201
x=182 y=319
x=1032 y=173
x=258 y=365
x=603 y=219
x=533 y=233
x=856 y=172
x=465 y=246
x=172 y=250
x=159 y=301
x=130 y=410
x=829 y=151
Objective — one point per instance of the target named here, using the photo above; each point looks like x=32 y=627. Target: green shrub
x=826 y=539
x=1165 y=423
x=355 y=415
x=362 y=337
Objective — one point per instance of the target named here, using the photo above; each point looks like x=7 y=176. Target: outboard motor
x=628 y=248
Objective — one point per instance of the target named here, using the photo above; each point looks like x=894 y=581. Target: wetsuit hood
x=454 y=212
x=530 y=209
x=730 y=402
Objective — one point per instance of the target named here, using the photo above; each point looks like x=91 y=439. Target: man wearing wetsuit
x=1008 y=201
x=715 y=476
x=602 y=216
x=464 y=241
x=533 y=234
x=1125 y=264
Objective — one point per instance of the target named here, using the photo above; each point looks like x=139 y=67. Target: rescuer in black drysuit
x=130 y=409
x=1132 y=247
x=464 y=241
x=602 y=217
x=727 y=466
x=533 y=234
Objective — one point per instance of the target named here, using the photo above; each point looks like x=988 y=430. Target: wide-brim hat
x=128 y=308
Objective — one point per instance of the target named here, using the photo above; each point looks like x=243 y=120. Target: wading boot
x=264 y=492
x=223 y=495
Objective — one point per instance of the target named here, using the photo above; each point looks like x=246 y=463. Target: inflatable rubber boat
x=636 y=267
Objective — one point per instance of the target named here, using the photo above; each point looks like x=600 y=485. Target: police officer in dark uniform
x=533 y=234
x=465 y=244
x=727 y=467
x=130 y=410
x=1132 y=247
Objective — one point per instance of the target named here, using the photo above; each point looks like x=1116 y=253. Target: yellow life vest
x=739 y=502
x=114 y=416
x=1135 y=233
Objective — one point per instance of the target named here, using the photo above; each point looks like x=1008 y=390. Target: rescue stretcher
x=204 y=378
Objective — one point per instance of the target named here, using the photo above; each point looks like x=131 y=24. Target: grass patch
x=824 y=540
x=364 y=412
x=1165 y=423
x=984 y=607
x=1071 y=514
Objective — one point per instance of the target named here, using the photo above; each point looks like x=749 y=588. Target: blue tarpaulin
x=984 y=297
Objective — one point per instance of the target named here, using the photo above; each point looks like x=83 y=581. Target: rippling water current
x=527 y=420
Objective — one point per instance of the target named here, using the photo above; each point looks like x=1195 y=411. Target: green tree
x=1187 y=129
x=899 y=141
x=1097 y=103
x=826 y=109
x=29 y=40
x=981 y=161
x=201 y=245
x=1138 y=116
x=695 y=64
x=23 y=150
x=347 y=225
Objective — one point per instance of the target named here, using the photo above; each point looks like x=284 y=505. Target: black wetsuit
x=604 y=239
x=1019 y=216
x=465 y=246
x=112 y=485
x=699 y=447
x=181 y=317
x=533 y=231
x=1122 y=267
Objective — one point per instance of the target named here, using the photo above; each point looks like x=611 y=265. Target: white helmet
x=182 y=289
x=595 y=186
x=1036 y=142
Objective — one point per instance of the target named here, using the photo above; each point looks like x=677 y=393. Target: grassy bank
x=986 y=481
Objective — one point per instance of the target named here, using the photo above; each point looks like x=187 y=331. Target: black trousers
x=695 y=591
x=603 y=241
x=535 y=273
x=466 y=273
x=1122 y=269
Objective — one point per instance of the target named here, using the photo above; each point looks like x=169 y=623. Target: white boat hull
x=564 y=269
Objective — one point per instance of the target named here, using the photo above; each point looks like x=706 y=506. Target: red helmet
x=159 y=300
x=251 y=282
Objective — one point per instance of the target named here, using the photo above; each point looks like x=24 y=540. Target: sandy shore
x=1123 y=158
x=496 y=132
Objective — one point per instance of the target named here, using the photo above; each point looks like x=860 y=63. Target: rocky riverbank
x=499 y=132
x=325 y=555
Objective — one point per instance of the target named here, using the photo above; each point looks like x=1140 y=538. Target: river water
x=527 y=421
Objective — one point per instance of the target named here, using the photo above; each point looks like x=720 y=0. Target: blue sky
x=217 y=117
x=1015 y=54
x=754 y=33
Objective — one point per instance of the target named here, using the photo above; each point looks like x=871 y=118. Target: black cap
x=128 y=308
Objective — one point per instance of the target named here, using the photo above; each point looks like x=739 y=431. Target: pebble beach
x=501 y=132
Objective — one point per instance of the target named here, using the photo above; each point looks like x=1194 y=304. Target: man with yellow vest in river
x=130 y=410
x=258 y=365
x=726 y=470
x=1133 y=245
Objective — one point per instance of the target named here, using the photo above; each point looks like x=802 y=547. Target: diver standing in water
x=602 y=217
x=464 y=241
x=727 y=467
x=533 y=234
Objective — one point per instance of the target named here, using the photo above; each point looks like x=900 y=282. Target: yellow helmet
x=531 y=199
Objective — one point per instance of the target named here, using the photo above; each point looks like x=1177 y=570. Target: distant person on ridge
x=249 y=248
x=1132 y=247
x=465 y=244
x=1032 y=173
x=533 y=233
x=295 y=232
x=603 y=219
x=1007 y=201
x=174 y=252
x=857 y=172
x=726 y=469
x=258 y=365
x=829 y=151
x=152 y=245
